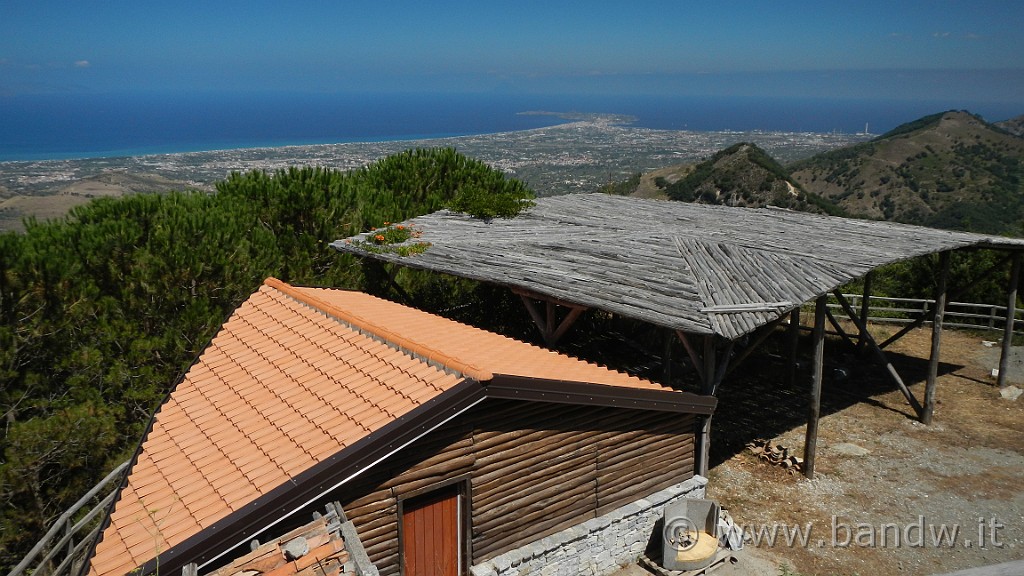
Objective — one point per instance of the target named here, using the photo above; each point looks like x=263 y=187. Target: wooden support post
x=933 y=360
x=1011 y=315
x=708 y=385
x=762 y=335
x=666 y=359
x=839 y=329
x=794 y=343
x=865 y=311
x=551 y=330
x=927 y=314
x=814 y=412
x=880 y=354
x=698 y=365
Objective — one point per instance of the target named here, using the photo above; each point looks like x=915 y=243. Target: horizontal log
x=370 y=499
x=441 y=468
x=518 y=513
x=498 y=494
x=638 y=491
x=641 y=450
x=539 y=464
x=512 y=452
x=366 y=505
x=565 y=473
x=492 y=422
x=368 y=524
x=528 y=461
x=371 y=534
x=488 y=546
x=381 y=546
x=559 y=421
x=615 y=487
x=664 y=457
x=426 y=454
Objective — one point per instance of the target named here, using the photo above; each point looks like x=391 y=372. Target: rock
x=295 y=549
x=850 y=449
x=1011 y=392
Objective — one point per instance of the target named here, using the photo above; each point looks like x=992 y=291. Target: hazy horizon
x=915 y=57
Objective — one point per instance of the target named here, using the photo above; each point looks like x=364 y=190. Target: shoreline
x=577 y=155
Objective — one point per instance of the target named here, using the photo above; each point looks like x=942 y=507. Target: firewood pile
x=776 y=455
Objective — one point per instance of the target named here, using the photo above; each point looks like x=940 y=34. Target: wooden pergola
x=711 y=274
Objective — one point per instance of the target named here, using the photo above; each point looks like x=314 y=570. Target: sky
x=972 y=50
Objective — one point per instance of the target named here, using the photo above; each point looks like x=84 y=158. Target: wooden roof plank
x=666 y=262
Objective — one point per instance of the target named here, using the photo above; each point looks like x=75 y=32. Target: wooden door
x=432 y=534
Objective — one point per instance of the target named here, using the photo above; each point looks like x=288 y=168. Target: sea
x=66 y=125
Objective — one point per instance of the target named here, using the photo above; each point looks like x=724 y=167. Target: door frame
x=463 y=498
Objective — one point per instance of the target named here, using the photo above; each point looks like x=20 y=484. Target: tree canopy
x=102 y=311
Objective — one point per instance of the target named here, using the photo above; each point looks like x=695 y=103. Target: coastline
x=572 y=156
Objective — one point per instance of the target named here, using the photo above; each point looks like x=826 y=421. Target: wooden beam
x=698 y=364
x=879 y=353
x=927 y=315
x=1011 y=315
x=538 y=318
x=666 y=359
x=707 y=387
x=839 y=329
x=762 y=335
x=933 y=359
x=814 y=411
x=545 y=321
x=865 y=310
x=567 y=323
x=794 y=343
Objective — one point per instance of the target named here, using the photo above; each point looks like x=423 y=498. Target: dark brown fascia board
x=245 y=523
x=508 y=387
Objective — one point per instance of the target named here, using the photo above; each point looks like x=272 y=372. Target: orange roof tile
x=295 y=377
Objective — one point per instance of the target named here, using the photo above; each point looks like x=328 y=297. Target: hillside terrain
x=14 y=208
x=742 y=175
x=948 y=170
x=1014 y=125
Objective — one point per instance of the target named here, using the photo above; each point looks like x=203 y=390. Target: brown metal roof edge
x=509 y=387
x=264 y=512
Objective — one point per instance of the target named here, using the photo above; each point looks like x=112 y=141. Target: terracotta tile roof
x=294 y=378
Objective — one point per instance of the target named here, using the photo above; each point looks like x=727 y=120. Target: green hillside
x=949 y=170
x=743 y=175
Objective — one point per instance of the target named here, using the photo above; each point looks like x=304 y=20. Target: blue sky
x=905 y=50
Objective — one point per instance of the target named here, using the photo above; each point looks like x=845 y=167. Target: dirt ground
x=878 y=470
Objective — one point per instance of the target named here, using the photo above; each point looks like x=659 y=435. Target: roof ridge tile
x=373 y=329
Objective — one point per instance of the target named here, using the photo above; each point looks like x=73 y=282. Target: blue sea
x=59 y=126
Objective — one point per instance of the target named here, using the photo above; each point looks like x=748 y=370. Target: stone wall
x=596 y=547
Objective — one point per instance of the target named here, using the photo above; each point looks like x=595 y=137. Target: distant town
x=588 y=151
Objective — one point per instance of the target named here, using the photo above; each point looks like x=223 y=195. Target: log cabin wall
x=530 y=469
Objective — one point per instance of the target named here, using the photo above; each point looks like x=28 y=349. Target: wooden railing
x=957 y=314
x=59 y=543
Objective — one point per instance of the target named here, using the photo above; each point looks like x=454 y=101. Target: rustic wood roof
x=692 y=267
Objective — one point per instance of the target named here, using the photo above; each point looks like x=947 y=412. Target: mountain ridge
x=946 y=170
